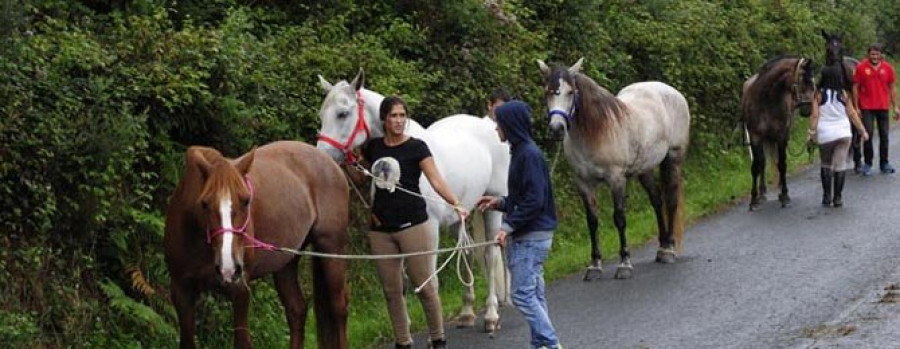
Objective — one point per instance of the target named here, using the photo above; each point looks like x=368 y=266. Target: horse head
x=223 y=208
x=561 y=95
x=803 y=88
x=344 y=119
x=834 y=47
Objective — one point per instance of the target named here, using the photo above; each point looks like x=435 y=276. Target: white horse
x=469 y=155
x=610 y=138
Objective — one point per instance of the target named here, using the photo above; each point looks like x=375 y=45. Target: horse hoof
x=624 y=272
x=785 y=200
x=756 y=202
x=491 y=326
x=466 y=321
x=666 y=256
x=592 y=273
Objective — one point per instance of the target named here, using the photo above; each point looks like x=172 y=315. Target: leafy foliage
x=99 y=99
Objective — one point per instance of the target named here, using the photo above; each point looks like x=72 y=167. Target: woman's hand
x=461 y=211
x=501 y=238
x=864 y=135
x=487 y=203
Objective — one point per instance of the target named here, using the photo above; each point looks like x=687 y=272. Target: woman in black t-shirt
x=399 y=222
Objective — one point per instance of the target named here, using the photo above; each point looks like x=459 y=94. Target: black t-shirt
x=399 y=210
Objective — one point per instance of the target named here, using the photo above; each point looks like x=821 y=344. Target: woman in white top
x=829 y=126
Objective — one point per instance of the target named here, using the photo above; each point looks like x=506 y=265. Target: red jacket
x=874 y=85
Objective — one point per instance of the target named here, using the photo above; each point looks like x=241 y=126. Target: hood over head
x=514 y=118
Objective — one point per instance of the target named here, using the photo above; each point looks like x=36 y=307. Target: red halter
x=242 y=231
x=347 y=148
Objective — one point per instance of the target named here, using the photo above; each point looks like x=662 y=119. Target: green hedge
x=98 y=101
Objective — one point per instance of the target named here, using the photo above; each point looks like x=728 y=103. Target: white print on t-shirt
x=387 y=173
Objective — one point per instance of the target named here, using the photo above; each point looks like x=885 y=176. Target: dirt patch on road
x=891 y=294
x=823 y=331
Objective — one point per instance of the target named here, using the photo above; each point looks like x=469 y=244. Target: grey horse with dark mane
x=610 y=138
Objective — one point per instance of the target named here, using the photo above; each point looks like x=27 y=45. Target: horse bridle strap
x=242 y=231
x=795 y=85
x=569 y=115
x=347 y=147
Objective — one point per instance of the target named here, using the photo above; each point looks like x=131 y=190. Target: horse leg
x=495 y=273
x=467 y=316
x=184 y=297
x=782 y=174
x=240 y=303
x=590 y=209
x=654 y=195
x=625 y=269
x=331 y=300
x=288 y=287
x=757 y=170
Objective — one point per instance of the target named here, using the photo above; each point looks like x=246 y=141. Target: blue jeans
x=526 y=268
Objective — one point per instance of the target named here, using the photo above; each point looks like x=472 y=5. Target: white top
x=834 y=123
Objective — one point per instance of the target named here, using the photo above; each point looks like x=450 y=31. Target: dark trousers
x=869 y=118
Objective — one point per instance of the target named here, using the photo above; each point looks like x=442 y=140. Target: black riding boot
x=838 y=188
x=826 y=174
x=439 y=344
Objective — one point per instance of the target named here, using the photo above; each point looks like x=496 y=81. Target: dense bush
x=99 y=99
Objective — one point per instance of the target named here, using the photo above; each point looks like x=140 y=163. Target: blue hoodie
x=530 y=210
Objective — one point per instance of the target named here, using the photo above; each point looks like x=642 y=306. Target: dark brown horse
x=834 y=52
x=287 y=194
x=781 y=86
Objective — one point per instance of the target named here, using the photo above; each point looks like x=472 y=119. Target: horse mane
x=597 y=109
x=221 y=175
x=775 y=77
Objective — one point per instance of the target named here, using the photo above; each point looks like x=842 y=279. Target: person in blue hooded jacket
x=527 y=230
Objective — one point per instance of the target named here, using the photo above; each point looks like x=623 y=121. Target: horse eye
x=245 y=202
x=342 y=115
x=204 y=204
x=556 y=92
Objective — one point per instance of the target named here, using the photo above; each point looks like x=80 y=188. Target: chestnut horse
x=287 y=194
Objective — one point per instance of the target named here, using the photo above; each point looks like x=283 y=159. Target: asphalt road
x=799 y=277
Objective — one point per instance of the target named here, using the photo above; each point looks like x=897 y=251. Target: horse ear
x=195 y=157
x=824 y=35
x=359 y=80
x=576 y=68
x=243 y=165
x=325 y=84
x=545 y=70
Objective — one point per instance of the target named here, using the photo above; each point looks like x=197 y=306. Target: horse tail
x=673 y=198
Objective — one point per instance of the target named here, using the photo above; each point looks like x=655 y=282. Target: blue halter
x=569 y=116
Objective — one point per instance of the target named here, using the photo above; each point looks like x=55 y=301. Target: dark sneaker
x=866 y=170
x=887 y=168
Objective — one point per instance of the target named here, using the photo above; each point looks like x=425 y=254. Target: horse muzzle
x=230 y=275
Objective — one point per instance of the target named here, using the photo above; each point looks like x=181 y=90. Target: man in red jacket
x=873 y=88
